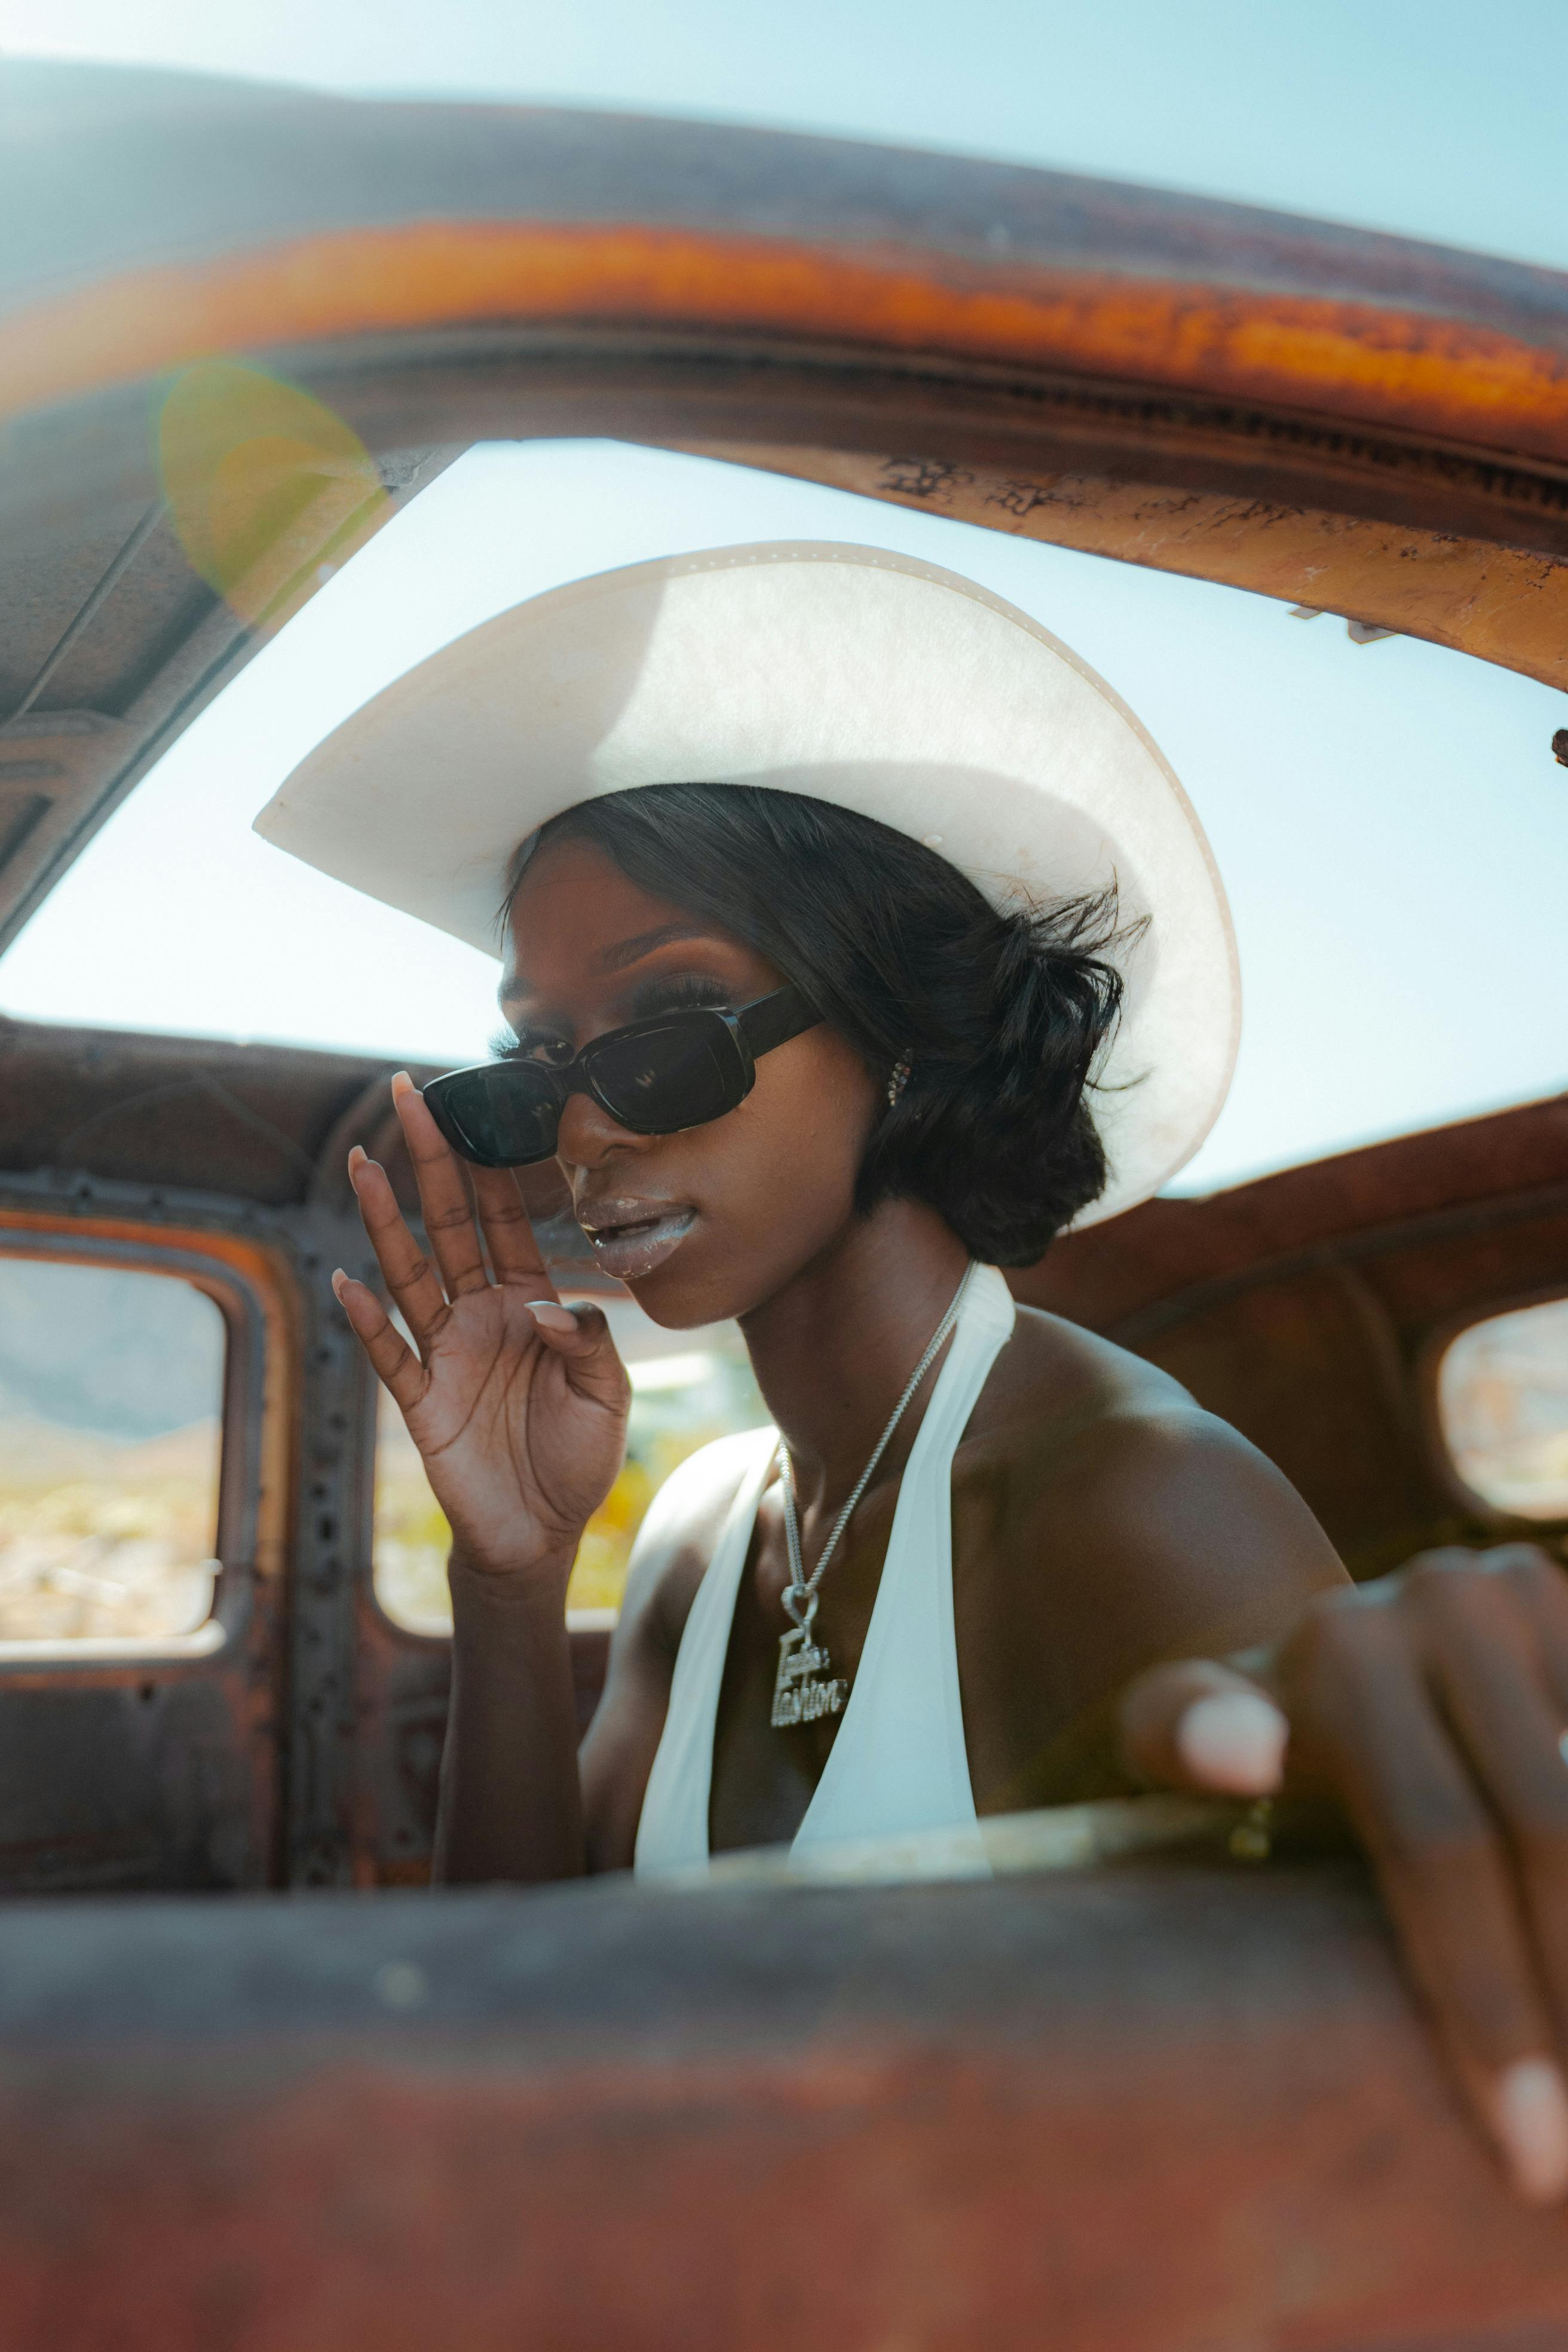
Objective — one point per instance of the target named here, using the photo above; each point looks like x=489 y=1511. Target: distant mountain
x=97 y=1348
x=36 y=1454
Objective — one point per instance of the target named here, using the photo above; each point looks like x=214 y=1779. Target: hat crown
x=850 y=674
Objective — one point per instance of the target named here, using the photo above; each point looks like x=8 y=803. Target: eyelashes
x=531 y=1046
x=678 y=991
x=681 y=992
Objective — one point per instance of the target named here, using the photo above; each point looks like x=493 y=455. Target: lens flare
x=267 y=490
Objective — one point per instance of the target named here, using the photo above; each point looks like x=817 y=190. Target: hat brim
x=851 y=673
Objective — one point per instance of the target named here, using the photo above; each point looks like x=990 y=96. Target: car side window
x=1502 y=1406
x=688 y=1388
x=112 y=1387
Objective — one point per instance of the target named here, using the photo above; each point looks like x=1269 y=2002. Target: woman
x=819 y=1000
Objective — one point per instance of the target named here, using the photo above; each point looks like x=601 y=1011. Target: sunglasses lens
x=665 y=1078
x=656 y=1079
x=505 y=1117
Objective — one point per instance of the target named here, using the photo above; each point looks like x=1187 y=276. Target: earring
x=898 y=1079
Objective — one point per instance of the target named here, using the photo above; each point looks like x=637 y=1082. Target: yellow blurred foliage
x=413 y=1537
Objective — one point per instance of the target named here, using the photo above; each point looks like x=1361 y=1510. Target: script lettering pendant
x=806 y=1688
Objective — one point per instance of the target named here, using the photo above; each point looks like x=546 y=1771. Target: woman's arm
x=513 y=1724
x=511 y=1806
x=518 y=1406
x=1430 y=1709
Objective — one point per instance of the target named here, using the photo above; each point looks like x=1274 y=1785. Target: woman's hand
x=1430 y=1707
x=518 y=1404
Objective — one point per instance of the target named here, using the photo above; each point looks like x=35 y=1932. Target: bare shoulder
x=1093 y=1450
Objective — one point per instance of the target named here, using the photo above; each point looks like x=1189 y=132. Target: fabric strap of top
x=900 y=1762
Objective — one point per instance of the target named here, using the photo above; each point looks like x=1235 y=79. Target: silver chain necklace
x=806 y=1688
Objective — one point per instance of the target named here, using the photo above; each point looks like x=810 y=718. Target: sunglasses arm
x=774 y=1020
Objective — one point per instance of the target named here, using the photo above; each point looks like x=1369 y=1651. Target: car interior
x=223 y=1662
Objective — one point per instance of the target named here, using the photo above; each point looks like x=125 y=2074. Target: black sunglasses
x=656 y=1076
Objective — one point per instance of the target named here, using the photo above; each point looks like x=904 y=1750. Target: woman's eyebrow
x=629 y=952
x=516 y=988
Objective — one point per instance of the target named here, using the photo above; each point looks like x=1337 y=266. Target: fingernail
x=1233 y=1741
x=553 y=1318
x=1533 y=2124
x=402 y=1084
x=338 y=1278
x=358 y=1157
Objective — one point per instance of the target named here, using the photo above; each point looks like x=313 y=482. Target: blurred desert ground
x=111 y=1398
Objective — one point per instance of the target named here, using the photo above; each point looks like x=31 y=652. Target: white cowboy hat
x=859 y=677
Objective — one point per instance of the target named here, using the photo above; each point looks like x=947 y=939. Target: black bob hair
x=1001 y=1017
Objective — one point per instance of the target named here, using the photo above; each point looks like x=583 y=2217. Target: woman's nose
x=588 y=1137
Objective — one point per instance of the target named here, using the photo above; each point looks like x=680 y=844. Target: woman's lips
x=630 y=1238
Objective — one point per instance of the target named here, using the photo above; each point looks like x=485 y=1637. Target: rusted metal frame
x=146 y=1227
x=195 y=674
x=993 y=450
x=1429 y=541
x=1500 y=603
x=976 y=2103
x=708 y=388
x=196 y=1082
x=1145 y=1323
x=383 y=1686
x=843 y=396
x=1385 y=1349
x=83 y=619
x=718 y=391
x=1407 y=1375
x=356 y=1689
x=990 y=456
x=322 y=1804
x=229 y=656
x=1430 y=553
x=901 y=281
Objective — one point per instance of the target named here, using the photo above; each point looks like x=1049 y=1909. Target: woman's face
x=714 y=1222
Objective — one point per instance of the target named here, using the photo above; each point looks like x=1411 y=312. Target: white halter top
x=899 y=1762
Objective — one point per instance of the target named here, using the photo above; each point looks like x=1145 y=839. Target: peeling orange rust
x=1376 y=365
x=1507 y=606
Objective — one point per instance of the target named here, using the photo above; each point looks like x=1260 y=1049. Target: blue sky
x=1393 y=830
x=1436 y=118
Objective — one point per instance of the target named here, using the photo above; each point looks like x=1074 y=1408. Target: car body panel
x=1175 y=2104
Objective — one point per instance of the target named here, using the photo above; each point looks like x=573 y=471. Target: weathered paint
x=1178 y=2109
x=1502 y=604
x=1380 y=365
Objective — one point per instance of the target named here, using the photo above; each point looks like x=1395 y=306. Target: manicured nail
x=553 y=1318
x=338 y=1278
x=1233 y=1741
x=402 y=1084
x=1533 y=2124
